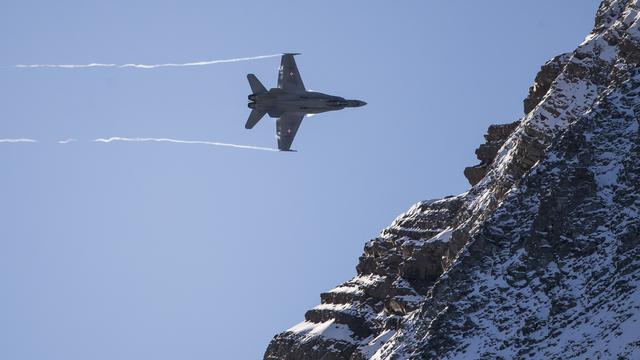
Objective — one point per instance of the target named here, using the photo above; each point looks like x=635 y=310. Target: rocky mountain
x=539 y=259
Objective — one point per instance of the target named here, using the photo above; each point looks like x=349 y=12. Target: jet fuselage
x=277 y=101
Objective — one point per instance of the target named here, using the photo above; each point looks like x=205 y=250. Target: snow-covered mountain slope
x=539 y=259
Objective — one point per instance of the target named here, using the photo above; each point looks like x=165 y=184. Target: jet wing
x=289 y=77
x=286 y=127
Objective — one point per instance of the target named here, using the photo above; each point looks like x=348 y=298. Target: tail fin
x=254 y=117
x=256 y=85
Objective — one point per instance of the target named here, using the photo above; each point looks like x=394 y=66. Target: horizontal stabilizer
x=256 y=85
x=254 y=117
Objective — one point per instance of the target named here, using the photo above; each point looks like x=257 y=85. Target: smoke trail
x=111 y=139
x=67 y=141
x=17 y=141
x=144 y=66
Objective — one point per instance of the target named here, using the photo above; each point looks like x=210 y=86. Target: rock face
x=548 y=73
x=487 y=152
x=540 y=258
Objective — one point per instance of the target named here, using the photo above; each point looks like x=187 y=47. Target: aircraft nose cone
x=356 y=103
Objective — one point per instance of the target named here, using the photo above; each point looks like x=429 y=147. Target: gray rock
x=539 y=259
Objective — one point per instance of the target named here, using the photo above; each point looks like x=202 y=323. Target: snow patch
x=443 y=236
x=328 y=329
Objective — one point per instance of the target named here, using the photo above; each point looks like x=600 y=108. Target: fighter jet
x=289 y=102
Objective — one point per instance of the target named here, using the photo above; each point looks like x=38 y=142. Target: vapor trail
x=64 y=66
x=199 y=63
x=67 y=141
x=144 y=66
x=111 y=139
x=17 y=141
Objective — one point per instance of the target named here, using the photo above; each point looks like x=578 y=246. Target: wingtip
x=293 y=54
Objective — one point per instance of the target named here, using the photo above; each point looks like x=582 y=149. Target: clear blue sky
x=170 y=251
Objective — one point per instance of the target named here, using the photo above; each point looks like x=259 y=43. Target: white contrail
x=145 y=66
x=63 y=66
x=67 y=141
x=108 y=140
x=199 y=63
x=17 y=141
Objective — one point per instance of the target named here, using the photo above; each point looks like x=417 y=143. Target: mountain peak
x=541 y=257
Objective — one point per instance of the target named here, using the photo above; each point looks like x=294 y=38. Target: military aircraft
x=289 y=102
